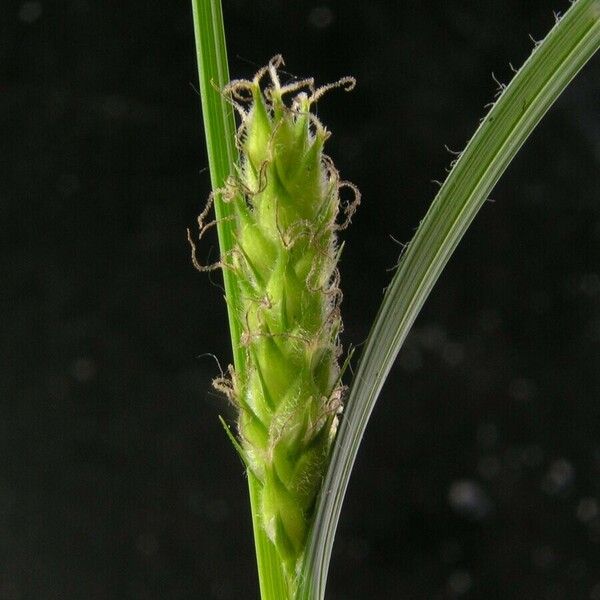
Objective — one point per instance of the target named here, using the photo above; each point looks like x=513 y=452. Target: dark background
x=479 y=474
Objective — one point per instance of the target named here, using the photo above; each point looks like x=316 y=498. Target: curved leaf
x=539 y=82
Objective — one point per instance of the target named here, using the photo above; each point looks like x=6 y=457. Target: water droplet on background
x=321 y=17
x=83 y=369
x=587 y=509
x=595 y=592
x=459 y=583
x=30 y=12
x=559 y=478
x=467 y=498
x=522 y=389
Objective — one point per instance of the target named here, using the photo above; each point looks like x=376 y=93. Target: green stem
x=219 y=128
x=537 y=85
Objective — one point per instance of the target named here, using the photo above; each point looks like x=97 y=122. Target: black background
x=479 y=474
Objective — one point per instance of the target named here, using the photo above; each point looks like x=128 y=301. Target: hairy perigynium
x=287 y=209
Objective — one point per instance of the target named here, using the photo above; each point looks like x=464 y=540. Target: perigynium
x=287 y=211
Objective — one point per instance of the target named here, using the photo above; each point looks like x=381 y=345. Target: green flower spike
x=287 y=207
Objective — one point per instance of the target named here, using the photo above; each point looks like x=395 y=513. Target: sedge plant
x=285 y=200
x=277 y=205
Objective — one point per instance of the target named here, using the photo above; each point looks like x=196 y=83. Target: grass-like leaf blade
x=539 y=82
